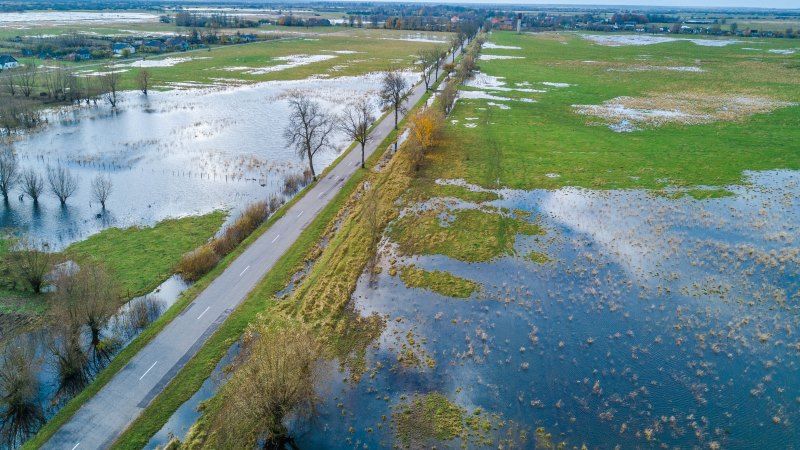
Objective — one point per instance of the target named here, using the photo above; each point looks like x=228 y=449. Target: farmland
x=579 y=259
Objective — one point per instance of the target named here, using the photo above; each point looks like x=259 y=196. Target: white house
x=8 y=62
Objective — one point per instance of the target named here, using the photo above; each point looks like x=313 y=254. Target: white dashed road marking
x=148 y=370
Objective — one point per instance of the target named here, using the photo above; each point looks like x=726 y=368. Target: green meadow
x=543 y=141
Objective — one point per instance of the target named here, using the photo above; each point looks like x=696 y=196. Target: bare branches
x=33 y=263
x=62 y=183
x=355 y=123
x=394 y=89
x=20 y=412
x=101 y=189
x=274 y=383
x=9 y=171
x=143 y=80
x=32 y=184
x=111 y=81
x=309 y=130
x=27 y=79
x=429 y=62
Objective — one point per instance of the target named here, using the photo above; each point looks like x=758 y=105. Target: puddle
x=636 y=39
x=485 y=57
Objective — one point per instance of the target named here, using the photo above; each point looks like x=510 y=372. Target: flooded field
x=171 y=154
x=648 y=320
x=61 y=371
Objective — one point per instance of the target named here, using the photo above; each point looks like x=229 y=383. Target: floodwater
x=171 y=154
x=657 y=321
x=70 y=17
x=52 y=393
x=187 y=414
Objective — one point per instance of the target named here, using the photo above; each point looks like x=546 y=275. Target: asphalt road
x=106 y=415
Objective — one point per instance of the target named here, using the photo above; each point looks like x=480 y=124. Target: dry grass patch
x=686 y=108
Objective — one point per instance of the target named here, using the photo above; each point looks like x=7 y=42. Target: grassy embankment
x=322 y=301
x=261 y=302
x=197 y=370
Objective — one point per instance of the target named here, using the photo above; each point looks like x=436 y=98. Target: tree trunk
x=396 y=108
x=311 y=165
x=363 y=165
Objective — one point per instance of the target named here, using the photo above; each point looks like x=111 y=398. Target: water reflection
x=657 y=321
x=66 y=360
x=171 y=153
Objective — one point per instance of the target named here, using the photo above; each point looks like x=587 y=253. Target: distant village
x=632 y=22
x=81 y=47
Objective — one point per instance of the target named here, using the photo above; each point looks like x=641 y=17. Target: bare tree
x=428 y=60
x=143 y=80
x=355 y=124
x=101 y=189
x=274 y=382
x=32 y=184
x=441 y=55
x=309 y=129
x=111 y=81
x=10 y=80
x=32 y=262
x=447 y=98
x=20 y=412
x=56 y=81
x=394 y=89
x=62 y=183
x=9 y=171
x=455 y=44
x=27 y=79
x=91 y=296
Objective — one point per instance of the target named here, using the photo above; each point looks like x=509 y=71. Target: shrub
x=296 y=181
x=250 y=219
x=198 y=262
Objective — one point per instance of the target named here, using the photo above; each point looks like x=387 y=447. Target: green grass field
x=360 y=51
x=546 y=144
x=143 y=257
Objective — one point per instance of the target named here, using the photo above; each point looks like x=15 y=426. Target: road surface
x=106 y=415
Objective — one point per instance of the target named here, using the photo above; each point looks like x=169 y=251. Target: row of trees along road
x=276 y=374
x=310 y=127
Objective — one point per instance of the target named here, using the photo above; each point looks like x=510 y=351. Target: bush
x=250 y=219
x=197 y=263
x=296 y=181
x=200 y=261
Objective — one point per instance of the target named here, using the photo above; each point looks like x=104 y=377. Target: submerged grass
x=470 y=235
x=428 y=417
x=438 y=281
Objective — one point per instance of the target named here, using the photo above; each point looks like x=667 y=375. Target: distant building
x=177 y=43
x=120 y=47
x=8 y=62
x=154 y=45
